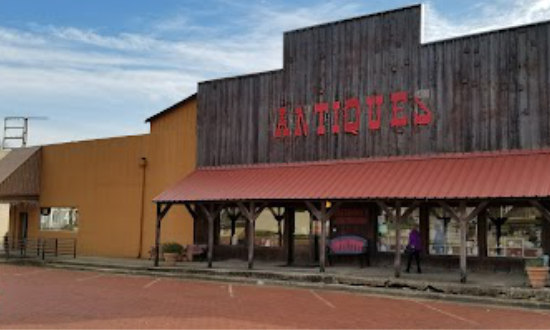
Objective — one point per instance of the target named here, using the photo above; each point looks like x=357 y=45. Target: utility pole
x=17 y=129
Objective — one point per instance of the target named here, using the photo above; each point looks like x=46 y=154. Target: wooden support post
x=290 y=217
x=323 y=242
x=279 y=215
x=251 y=211
x=210 y=252
x=251 y=224
x=482 y=234
x=396 y=219
x=161 y=212
x=211 y=212
x=463 y=219
x=424 y=225
x=463 y=232
x=543 y=210
x=323 y=216
x=157 y=234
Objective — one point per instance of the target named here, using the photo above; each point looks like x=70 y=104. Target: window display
x=514 y=232
x=445 y=234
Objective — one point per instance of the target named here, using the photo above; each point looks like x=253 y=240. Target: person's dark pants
x=416 y=255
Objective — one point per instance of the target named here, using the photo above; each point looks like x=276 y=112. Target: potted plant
x=537 y=272
x=171 y=252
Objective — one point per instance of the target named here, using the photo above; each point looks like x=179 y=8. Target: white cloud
x=485 y=16
x=93 y=84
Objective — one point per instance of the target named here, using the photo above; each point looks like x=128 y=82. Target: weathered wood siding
x=486 y=92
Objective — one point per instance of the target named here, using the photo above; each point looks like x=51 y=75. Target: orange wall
x=172 y=156
x=103 y=178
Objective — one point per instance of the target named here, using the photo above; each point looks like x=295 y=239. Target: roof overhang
x=20 y=175
x=484 y=175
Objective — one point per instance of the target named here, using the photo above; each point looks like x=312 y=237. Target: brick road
x=33 y=297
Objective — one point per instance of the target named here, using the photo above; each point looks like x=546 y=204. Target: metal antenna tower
x=17 y=129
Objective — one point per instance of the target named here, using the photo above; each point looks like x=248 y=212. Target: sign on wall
x=345 y=116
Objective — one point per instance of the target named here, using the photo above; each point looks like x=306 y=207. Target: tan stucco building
x=99 y=192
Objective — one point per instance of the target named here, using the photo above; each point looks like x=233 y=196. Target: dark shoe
x=408 y=271
x=419 y=271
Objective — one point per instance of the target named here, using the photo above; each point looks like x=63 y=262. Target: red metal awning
x=513 y=174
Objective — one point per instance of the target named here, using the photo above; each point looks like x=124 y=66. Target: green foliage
x=534 y=262
x=172 y=247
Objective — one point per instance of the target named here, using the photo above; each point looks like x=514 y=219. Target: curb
x=381 y=287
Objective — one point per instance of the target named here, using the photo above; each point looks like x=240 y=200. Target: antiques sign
x=345 y=116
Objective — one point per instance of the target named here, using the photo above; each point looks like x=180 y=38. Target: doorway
x=23 y=226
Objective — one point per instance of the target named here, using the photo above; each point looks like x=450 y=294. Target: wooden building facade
x=367 y=91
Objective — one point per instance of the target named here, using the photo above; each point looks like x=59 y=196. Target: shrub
x=172 y=247
x=534 y=262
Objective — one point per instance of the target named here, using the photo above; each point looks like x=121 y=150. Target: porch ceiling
x=511 y=174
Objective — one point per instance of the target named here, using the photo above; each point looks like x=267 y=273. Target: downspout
x=143 y=165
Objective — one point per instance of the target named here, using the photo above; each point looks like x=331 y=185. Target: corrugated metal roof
x=512 y=174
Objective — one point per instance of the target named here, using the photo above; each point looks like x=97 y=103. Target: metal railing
x=39 y=247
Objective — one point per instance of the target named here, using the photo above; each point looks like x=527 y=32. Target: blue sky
x=99 y=68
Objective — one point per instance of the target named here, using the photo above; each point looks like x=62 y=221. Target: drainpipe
x=143 y=166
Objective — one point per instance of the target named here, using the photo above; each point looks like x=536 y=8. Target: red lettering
x=372 y=102
x=300 y=127
x=336 y=116
x=422 y=118
x=352 y=126
x=397 y=108
x=282 y=124
x=321 y=109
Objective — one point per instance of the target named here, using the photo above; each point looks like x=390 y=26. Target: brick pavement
x=34 y=297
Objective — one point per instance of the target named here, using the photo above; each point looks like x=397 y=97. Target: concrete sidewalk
x=482 y=287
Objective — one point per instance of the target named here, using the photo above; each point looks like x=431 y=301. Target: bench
x=196 y=251
x=348 y=245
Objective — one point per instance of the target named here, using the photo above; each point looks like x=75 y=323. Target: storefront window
x=445 y=234
x=303 y=227
x=59 y=218
x=386 y=232
x=514 y=232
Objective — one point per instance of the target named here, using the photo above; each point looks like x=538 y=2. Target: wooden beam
x=290 y=218
x=396 y=217
x=463 y=230
x=386 y=209
x=279 y=216
x=161 y=213
x=210 y=211
x=449 y=210
x=410 y=209
x=397 y=258
x=463 y=219
x=251 y=211
x=322 y=215
x=480 y=207
x=543 y=210
x=191 y=211
x=279 y=213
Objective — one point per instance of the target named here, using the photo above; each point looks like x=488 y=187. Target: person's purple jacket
x=414 y=240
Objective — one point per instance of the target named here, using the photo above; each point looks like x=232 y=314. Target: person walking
x=414 y=248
